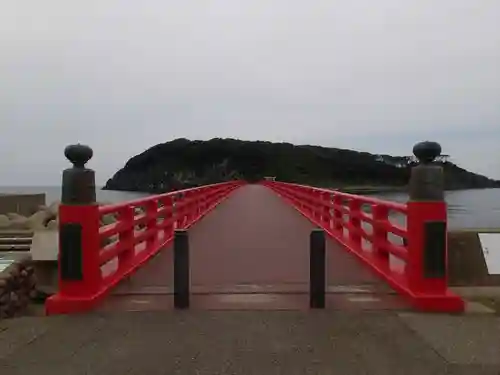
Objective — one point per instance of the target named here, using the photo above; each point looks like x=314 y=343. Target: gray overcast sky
x=123 y=75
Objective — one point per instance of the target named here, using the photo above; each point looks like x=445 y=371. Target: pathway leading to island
x=262 y=265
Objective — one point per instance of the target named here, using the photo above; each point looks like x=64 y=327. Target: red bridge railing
x=368 y=228
x=403 y=243
x=115 y=240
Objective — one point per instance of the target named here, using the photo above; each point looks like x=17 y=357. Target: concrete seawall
x=22 y=204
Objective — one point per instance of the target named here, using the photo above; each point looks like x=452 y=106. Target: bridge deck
x=252 y=251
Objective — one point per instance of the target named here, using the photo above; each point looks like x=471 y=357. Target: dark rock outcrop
x=182 y=163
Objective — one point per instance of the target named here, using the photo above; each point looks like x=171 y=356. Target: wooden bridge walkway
x=252 y=252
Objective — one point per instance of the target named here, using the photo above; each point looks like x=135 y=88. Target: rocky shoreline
x=17 y=287
x=18 y=284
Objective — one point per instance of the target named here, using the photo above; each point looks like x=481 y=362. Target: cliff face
x=182 y=163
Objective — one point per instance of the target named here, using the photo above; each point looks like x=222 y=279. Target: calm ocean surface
x=466 y=208
x=53 y=193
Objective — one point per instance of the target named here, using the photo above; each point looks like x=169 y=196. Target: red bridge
x=236 y=245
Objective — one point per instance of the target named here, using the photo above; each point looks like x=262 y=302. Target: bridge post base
x=448 y=303
x=59 y=305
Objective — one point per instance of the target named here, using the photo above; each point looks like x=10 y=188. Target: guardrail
x=102 y=245
x=410 y=254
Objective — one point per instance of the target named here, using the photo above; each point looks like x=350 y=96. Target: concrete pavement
x=258 y=342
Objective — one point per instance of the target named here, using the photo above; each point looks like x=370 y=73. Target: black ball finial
x=426 y=152
x=78 y=155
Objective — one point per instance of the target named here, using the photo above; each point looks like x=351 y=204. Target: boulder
x=43 y=207
x=53 y=224
x=18 y=222
x=54 y=208
x=38 y=220
x=15 y=216
x=17 y=285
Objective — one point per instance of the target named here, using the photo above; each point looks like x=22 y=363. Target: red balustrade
x=386 y=236
x=115 y=240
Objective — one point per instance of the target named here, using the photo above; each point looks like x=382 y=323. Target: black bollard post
x=317 y=270
x=181 y=269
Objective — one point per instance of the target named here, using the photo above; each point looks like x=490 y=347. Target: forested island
x=183 y=163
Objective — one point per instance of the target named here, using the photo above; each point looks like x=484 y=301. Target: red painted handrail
x=140 y=229
x=386 y=236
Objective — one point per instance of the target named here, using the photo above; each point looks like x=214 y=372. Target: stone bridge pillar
x=427 y=178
